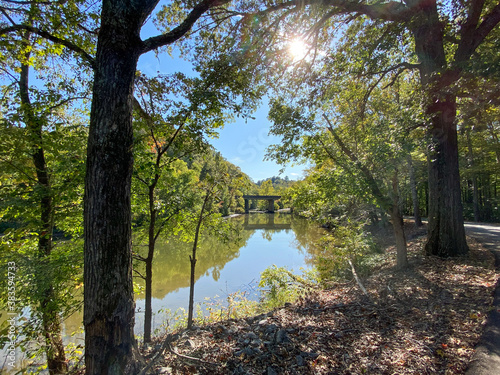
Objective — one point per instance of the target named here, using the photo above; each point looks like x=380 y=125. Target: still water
x=259 y=241
x=225 y=267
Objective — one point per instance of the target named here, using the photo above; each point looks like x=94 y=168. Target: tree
x=212 y=184
x=169 y=131
x=41 y=157
x=368 y=155
x=444 y=42
x=109 y=305
x=40 y=110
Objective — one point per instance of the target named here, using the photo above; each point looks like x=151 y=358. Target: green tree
x=108 y=302
x=170 y=131
x=207 y=215
x=40 y=112
x=444 y=42
x=41 y=159
x=363 y=152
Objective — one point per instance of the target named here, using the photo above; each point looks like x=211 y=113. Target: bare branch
x=139 y=274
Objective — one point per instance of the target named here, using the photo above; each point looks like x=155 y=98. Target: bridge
x=270 y=199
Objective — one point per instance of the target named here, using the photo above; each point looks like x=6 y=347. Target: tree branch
x=55 y=39
x=471 y=36
x=388 y=11
x=178 y=32
x=382 y=200
x=139 y=274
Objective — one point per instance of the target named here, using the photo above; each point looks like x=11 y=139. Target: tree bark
x=110 y=346
x=51 y=321
x=398 y=226
x=446 y=233
x=414 y=193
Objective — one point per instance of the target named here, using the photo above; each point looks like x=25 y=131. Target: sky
x=243 y=142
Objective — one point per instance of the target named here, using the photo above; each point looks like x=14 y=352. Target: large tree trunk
x=110 y=346
x=446 y=233
x=51 y=321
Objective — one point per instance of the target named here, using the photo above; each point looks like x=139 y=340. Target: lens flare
x=298 y=48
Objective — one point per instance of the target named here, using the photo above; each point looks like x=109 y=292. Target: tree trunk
x=475 y=190
x=398 y=226
x=51 y=321
x=148 y=313
x=110 y=346
x=446 y=233
x=414 y=193
x=192 y=259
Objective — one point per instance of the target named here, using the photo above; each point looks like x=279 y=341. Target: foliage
x=348 y=242
x=279 y=286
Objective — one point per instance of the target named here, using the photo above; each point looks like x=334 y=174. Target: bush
x=347 y=242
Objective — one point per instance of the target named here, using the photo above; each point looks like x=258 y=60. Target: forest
x=394 y=107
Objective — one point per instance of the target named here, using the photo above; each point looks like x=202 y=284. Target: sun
x=298 y=48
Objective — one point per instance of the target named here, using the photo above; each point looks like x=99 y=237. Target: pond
x=280 y=239
x=263 y=240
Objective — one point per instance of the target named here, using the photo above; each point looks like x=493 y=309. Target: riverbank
x=425 y=320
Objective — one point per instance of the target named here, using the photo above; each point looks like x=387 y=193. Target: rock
x=300 y=360
x=251 y=336
x=190 y=343
x=256 y=343
x=165 y=370
x=271 y=328
x=281 y=337
x=245 y=351
x=309 y=354
x=239 y=371
x=271 y=371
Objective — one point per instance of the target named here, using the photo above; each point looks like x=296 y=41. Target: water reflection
x=225 y=267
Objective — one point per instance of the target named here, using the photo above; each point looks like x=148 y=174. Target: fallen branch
x=164 y=346
x=363 y=289
x=197 y=361
x=300 y=280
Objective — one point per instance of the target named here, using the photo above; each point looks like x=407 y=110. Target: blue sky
x=243 y=142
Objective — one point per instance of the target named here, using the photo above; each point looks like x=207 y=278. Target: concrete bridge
x=270 y=199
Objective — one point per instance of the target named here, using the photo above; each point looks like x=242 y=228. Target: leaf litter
x=424 y=320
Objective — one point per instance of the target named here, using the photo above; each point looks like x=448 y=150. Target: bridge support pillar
x=247 y=206
x=270 y=205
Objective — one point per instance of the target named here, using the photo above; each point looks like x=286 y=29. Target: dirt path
x=486 y=360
